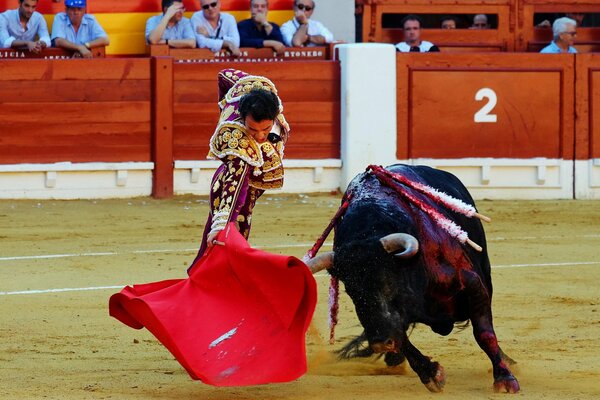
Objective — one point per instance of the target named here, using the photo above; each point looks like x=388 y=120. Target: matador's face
x=259 y=130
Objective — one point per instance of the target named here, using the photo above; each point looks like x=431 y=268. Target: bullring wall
x=509 y=125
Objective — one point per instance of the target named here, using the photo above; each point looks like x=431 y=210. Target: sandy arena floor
x=63 y=344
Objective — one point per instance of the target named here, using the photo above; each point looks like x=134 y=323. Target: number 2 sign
x=483 y=115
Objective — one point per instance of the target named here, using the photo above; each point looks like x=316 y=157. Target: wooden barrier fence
x=141 y=110
x=503 y=106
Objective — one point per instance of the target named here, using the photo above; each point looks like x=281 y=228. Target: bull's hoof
x=507 y=384
x=436 y=384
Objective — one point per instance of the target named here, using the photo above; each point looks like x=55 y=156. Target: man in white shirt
x=411 y=25
x=303 y=31
x=20 y=27
x=214 y=29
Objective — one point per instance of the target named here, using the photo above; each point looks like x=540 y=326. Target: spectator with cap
x=480 y=21
x=21 y=27
x=411 y=26
x=257 y=31
x=302 y=30
x=171 y=28
x=77 y=31
x=564 y=31
x=214 y=29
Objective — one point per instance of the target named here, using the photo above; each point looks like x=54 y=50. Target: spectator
x=215 y=30
x=564 y=31
x=303 y=31
x=77 y=31
x=545 y=19
x=411 y=26
x=448 y=23
x=257 y=31
x=20 y=27
x=577 y=17
x=171 y=28
x=480 y=21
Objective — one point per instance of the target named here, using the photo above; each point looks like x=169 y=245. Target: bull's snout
x=385 y=347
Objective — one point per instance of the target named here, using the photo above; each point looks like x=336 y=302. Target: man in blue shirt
x=20 y=27
x=564 y=31
x=171 y=28
x=77 y=31
x=257 y=32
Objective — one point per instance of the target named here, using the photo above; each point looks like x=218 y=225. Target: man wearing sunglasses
x=171 y=28
x=564 y=30
x=257 y=31
x=214 y=29
x=303 y=31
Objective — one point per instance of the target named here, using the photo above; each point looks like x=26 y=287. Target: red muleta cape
x=239 y=319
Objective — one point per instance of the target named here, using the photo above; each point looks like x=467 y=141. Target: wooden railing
x=248 y=54
x=49 y=53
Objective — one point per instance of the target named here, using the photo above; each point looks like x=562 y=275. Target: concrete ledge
x=69 y=166
x=66 y=180
x=587 y=179
x=301 y=176
x=504 y=178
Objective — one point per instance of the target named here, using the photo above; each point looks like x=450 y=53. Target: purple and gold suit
x=248 y=167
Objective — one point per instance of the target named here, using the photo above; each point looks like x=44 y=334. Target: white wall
x=337 y=16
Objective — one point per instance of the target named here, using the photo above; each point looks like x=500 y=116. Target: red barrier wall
x=310 y=93
x=74 y=110
x=530 y=96
x=588 y=106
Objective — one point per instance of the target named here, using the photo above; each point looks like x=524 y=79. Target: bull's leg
x=393 y=359
x=480 y=311
x=430 y=372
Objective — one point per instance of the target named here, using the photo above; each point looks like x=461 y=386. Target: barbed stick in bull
x=400 y=268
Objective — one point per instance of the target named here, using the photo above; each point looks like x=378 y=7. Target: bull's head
x=401 y=245
x=372 y=285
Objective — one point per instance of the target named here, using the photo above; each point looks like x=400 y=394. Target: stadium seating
x=125 y=20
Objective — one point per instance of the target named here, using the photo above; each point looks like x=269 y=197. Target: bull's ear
x=402 y=245
x=320 y=262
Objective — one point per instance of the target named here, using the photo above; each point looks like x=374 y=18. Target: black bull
x=400 y=268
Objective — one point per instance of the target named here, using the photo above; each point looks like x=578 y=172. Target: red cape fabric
x=239 y=319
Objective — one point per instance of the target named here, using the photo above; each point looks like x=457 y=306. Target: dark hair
x=168 y=3
x=411 y=17
x=260 y=104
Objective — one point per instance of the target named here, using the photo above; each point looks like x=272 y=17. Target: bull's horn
x=320 y=262
x=396 y=241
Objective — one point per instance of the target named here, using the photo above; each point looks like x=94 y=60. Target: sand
x=63 y=344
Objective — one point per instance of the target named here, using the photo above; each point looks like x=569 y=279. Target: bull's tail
x=357 y=347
